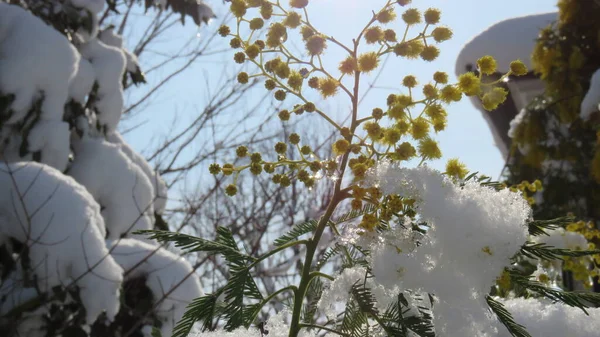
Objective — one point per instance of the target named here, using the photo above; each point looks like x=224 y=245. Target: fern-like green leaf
x=202 y=309
x=539 y=227
x=364 y=298
x=353 y=320
x=313 y=295
x=505 y=317
x=329 y=253
x=353 y=214
x=297 y=231
x=545 y=252
x=581 y=300
x=397 y=323
x=221 y=245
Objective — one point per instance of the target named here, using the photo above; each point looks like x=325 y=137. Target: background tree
x=73 y=190
x=555 y=138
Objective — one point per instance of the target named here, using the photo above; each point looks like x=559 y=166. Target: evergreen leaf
x=202 y=309
x=581 y=300
x=545 y=252
x=194 y=244
x=506 y=318
x=297 y=231
x=539 y=227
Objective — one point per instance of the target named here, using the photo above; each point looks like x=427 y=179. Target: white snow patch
x=473 y=232
x=52 y=139
x=338 y=290
x=170 y=277
x=94 y=6
x=109 y=64
x=590 y=102
x=515 y=122
x=83 y=82
x=52 y=215
x=546 y=319
x=110 y=38
x=158 y=184
x=116 y=183
x=28 y=74
x=278 y=326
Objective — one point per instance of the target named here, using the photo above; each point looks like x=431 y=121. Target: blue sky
x=467 y=136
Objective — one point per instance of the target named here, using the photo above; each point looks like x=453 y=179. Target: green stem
x=321 y=274
x=311 y=248
x=320 y=327
x=277 y=250
x=269 y=298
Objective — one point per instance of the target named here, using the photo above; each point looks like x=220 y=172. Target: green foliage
x=239 y=288
x=543 y=251
x=539 y=227
x=581 y=300
x=156 y=332
x=506 y=318
x=203 y=309
x=355 y=214
x=399 y=324
x=313 y=295
x=223 y=244
x=297 y=231
x=354 y=320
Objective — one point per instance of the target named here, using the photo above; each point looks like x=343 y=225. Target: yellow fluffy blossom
x=295 y=80
x=306 y=32
x=252 y=51
x=441 y=34
x=386 y=16
x=298 y=3
x=292 y=20
x=440 y=77
x=328 y=87
x=419 y=128
x=518 y=68
x=256 y=23
x=276 y=35
x=341 y=146
x=429 y=149
x=390 y=35
x=391 y=136
x=450 y=94
x=411 y=16
x=487 y=65
x=409 y=81
x=430 y=53
x=368 y=62
x=432 y=16
x=411 y=49
x=493 y=98
x=430 y=91
x=369 y=222
x=373 y=130
x=266 y=10
x=405 y=151
x=348 y=66
x=455 y=168
x=231 y=190
x=595 y=166
x=397 y=112
x=316 y=45
x=373 y=34
x=469 y=84
x=238 y=8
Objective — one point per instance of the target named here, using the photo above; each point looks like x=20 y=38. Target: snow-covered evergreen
x=72 y=190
